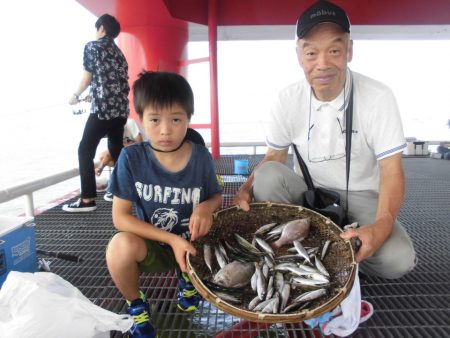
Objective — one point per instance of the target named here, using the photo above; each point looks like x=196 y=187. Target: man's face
x=323 y=54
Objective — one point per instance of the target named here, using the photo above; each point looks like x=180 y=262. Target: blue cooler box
x=17 y=245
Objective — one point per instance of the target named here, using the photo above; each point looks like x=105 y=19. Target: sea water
x=41 y=142
x=36 y=144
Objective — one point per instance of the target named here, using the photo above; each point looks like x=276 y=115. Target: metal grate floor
x=417 y=305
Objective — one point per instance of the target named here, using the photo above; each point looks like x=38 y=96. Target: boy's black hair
x=110 y=25
x=162 y=90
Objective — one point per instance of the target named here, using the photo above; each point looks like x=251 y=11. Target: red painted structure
x=155 y=32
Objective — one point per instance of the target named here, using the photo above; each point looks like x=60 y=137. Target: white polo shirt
x=318 y=130
x=131 y=130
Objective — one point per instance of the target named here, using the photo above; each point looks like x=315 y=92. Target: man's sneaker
x=142 y=328
x=108 y=196
x=80 y=206
x=366 y=311
x=188 y=297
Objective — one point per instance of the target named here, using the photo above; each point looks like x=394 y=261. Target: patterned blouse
x=109 y=86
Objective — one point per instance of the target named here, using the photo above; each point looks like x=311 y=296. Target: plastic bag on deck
x=42 y=304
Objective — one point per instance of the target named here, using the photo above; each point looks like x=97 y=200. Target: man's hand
x=73 y=100
x=105 y=160
x=372 y=237
x=245 y=194
x=243 y=198
x=180 y=247
x=200 y=222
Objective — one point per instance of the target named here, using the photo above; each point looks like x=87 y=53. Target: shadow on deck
x=416 y=305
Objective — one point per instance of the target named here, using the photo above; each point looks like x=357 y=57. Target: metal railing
x=252 y=144
x=28 y=188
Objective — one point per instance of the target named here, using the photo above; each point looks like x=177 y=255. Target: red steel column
x=212 y=38
x=151 y=38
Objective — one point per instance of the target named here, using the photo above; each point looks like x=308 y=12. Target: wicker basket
x=339 y=261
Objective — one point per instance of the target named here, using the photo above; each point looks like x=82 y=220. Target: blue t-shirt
x=163 y=198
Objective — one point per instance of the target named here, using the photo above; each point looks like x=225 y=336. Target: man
x=444 y=150
x=106 y=72
x=310 y=114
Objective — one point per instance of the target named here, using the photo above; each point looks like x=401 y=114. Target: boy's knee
x=122 y=244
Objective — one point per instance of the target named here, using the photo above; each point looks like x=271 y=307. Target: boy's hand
x=200 y=222
x=180 y=246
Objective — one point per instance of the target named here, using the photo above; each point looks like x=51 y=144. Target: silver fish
x=246 y=244
x=301 y=251
x=253 y=303
x=254 y=281
x=289 y=258
x=273 y=306
x=279 y=281
x=223 y=251
x=285 y=293
x=302 y=272
x=295 y=230
x=265 y=270
x=207 y=254
x=312 y=251
x=296 y=306
x=262 y=305
x=320 y=266
x=235 y=274
x=278 y=229
x=265 y=228
x=308 y=282
x=310 y=295
x=261 y=284
x=307 y=268
x=309 y=250
x=325 y=248
x=228 y=297
x=219 y=257
x=285 y=266
x=269 y=261
x=270 y=288
x=265 y=246
x=319 y=277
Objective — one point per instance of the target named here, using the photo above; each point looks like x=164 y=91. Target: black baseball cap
x=320 y=12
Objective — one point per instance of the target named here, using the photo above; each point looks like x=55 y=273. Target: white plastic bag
x=42 y=304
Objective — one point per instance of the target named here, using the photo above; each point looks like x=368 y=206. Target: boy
x=173 y=186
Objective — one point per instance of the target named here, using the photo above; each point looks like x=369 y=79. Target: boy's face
x=166 y=127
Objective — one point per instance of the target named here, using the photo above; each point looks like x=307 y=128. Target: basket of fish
x=277 y=263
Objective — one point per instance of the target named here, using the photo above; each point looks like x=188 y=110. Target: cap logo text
x=321 y=12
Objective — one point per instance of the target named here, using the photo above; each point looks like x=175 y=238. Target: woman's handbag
x=325 y=201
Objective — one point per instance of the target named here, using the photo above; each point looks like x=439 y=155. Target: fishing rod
x=60 y=255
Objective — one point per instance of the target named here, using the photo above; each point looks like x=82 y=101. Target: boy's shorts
x=160 y=258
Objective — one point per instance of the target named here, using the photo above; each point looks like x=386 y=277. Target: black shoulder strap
x=348 y=148
x=304 y=168
x=348 y=140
